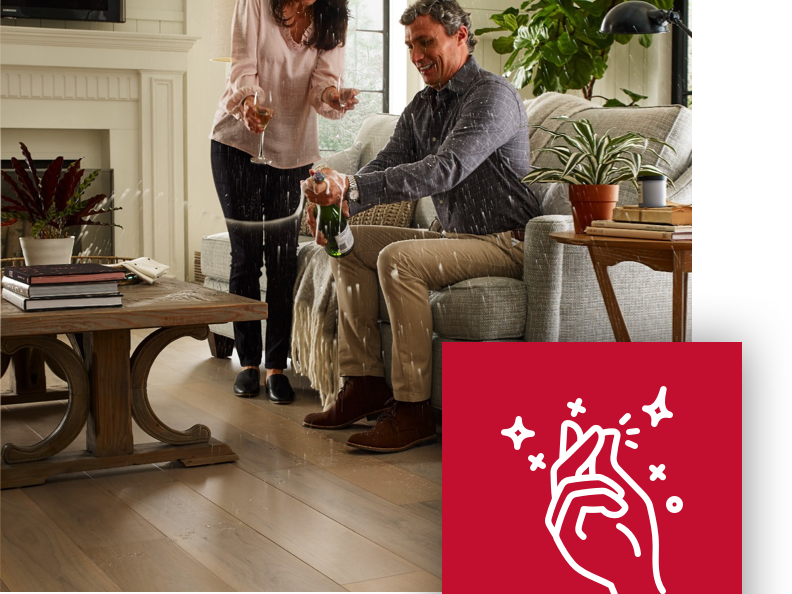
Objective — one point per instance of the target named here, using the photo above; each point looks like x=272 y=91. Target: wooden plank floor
x=300 y=511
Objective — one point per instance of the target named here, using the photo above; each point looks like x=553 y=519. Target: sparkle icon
x=576 y=407
x=657 y=472
x=536 y=461
x=517 y=433
x=657 y=410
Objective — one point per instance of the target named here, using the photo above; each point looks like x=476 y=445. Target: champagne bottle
x=333 y=224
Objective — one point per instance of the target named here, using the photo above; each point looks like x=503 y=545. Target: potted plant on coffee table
x=593 y=165
x=52 y=204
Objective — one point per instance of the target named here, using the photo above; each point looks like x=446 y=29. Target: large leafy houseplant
x=593 y=165
x=53 y=202
x=556 y=45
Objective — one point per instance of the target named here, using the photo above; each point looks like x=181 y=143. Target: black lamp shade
x=634 y=18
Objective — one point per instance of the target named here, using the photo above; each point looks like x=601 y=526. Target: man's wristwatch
x=353 y=194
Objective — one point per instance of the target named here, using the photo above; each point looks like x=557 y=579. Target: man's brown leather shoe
x=360 y=397
x=401 y=427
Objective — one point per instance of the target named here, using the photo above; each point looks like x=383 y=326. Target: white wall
x=205 y=83
x=142 y=16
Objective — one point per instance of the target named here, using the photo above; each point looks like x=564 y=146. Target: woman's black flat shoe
x=279 y=389
x=247 y=383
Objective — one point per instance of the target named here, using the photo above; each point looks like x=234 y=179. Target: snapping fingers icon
x=599 y=517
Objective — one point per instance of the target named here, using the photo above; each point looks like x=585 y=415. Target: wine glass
x=264 y=114
x=341 y=96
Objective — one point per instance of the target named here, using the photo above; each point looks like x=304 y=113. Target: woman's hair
x=330 y=18
x=446 y=12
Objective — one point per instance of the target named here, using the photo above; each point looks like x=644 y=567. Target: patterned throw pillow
x=399 y=214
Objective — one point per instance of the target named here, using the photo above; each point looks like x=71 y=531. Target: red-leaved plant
x=54 y=202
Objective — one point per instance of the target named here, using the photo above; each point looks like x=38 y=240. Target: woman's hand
x=249 y=115
x=340 y=99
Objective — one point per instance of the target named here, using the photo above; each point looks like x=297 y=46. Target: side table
x=675 y=257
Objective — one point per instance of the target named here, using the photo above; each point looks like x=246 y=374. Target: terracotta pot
x=592 y=203
x=46 y=251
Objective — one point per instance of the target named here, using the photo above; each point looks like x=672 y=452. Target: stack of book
x=62 y=286
x=670 y=223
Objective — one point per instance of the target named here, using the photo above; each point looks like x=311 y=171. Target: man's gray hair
x=446 y=12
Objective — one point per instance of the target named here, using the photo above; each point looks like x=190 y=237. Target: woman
x=291 y=52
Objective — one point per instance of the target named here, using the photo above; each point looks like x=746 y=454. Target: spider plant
x=591 y=159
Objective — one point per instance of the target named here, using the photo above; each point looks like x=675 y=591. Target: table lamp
x=635 y=18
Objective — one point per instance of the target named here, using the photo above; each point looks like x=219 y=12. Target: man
x=463 y=140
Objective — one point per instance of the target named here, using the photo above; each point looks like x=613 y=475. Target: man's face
x=436 y=54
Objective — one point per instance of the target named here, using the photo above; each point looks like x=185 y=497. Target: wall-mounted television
x=111 y=11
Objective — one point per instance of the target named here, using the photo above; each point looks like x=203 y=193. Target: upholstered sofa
x=558 y=298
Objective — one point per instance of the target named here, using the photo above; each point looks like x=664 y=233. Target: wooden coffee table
x=675 y=257
x=107 y=386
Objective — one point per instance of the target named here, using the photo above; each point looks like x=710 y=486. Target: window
x=682 y=57
x=366 y=69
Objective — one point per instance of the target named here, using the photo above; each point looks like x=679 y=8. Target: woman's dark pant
x=249 y=194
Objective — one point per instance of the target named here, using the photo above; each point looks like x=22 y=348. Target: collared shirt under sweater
x=466 y=146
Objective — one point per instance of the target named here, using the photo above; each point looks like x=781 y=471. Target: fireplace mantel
x=129 y=85
x=28 y=46
x=96 y=39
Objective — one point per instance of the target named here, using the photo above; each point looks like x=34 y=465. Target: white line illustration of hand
x=601 y=520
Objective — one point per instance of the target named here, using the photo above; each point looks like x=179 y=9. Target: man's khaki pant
x=409 y=263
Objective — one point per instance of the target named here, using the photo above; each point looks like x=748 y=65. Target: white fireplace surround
x=128 y=86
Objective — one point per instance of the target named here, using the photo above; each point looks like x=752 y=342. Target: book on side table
x=61 y=286
x=673 y=214
x=671 y=223
x=639 y=233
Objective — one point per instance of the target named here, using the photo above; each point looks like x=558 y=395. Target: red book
x=51 y=274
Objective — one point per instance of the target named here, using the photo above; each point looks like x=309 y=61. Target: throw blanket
x=314 y=342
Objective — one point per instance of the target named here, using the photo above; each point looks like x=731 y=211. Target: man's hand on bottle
x=328 y=191
x=324 y=192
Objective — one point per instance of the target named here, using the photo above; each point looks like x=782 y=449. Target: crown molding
x=79 y=38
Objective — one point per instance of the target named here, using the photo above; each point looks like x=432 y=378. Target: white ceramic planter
x=46 y=251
